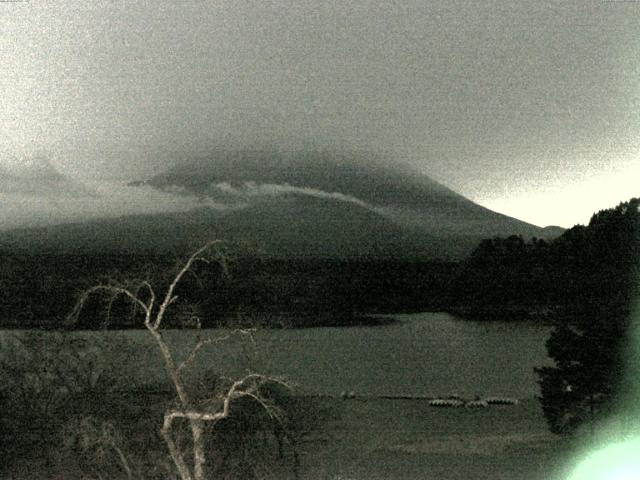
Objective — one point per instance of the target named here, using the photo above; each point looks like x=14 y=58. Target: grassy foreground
x=408 y=439
x=373 y=439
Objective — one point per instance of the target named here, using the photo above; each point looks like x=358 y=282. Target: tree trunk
x=199 y=458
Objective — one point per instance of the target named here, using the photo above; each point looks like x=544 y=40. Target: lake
x=428 y=354
x=422 y=354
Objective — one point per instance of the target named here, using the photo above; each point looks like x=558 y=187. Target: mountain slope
x=317 y=204
x=307 y=226
x=36 y=175
x=298 y=226
x=405 y=196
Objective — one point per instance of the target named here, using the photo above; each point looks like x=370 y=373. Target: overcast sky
x=529 y=108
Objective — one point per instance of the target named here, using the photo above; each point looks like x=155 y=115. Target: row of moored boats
x=457 y=402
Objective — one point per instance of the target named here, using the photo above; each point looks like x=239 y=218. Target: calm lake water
x=422 y=354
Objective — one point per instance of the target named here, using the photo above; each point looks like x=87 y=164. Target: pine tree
x=588 y=342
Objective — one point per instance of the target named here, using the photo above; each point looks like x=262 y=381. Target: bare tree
x=196 y=412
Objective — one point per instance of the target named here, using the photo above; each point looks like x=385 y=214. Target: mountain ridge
x=314 y=204
x=400 y=189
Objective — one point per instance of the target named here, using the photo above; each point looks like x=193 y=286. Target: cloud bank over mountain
x=36 y=176
x=34 y=192
x=252 y=190
x=24 y=209
x=297 y=203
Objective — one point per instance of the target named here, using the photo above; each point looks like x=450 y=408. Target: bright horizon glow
x=568 y=205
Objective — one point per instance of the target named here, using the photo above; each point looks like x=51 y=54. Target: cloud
x=248 y=190
x=25 y=208
x=36 y=176
x=33 y=192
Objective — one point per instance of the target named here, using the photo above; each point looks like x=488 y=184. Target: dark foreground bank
x=336 y=439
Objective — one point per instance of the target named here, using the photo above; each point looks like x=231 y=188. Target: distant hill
x=552 y=231
x=405 y=196
x=36 y=175
x=294 y=204
x=297 y=226
x=300 y=225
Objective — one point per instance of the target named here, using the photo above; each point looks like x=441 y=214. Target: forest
x=40 y=289
x=586 y=269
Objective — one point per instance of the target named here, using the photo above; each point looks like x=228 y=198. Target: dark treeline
x=590 y=342
x=588 y=268
x=39 y=290
x=585 y=283
x=314 y=292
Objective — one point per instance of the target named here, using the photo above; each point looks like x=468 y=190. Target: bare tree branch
x=113 y=289
x=199 y=346
x=234 y=392
x=169 y=297
x=248 y=386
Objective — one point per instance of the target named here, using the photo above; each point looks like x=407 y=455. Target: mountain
x=403 y=195
x=36 y=175
x=296 y=226
x=294 y=204
x=552 y=231
x=302 y=225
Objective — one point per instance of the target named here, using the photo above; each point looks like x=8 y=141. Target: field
x=366 y=437
x=407 y=439
x=430 y=354
x=385 y=439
